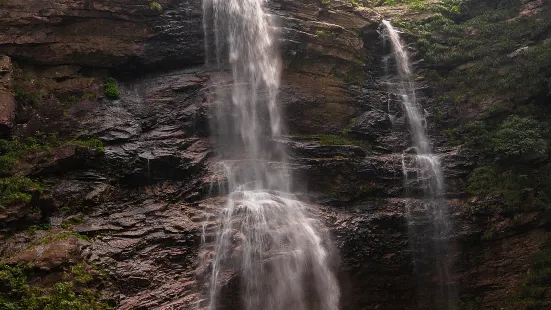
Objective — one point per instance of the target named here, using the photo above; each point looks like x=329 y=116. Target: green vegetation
x=155 y=6
x=534 y=286
x=44 y=227
x=510 y=147
x=72 y=294
x=516 y=139
x=51 y=237
x=485 y=58
x=14 y=150
x=11 y=151
x=92 y=143
x=32 y=98
x=494 y=44
x=110 y=88
x=17 y=190
x=74 y=220
x=516 y=188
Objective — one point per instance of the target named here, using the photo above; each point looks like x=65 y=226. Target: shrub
x=518 y=138
x=110 y=88
x=12 y=151
x=17 y=189
x=532 y=288
x=155 y=6
x=17 y=294
x=515 y=188
x=32 y=98
x=481 y=180
x=91 y=143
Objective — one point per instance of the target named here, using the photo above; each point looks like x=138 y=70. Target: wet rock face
x=102 y=33
x=143 y=201
x=7 y=102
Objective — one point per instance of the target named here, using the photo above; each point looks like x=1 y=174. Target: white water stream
x=430 y=242
x=265 y=237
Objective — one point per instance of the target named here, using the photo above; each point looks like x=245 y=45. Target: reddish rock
x=50 y=255
x=7 y=102
x=101 y=33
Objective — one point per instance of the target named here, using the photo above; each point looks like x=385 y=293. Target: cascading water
x=265 y=237
x=428 y=221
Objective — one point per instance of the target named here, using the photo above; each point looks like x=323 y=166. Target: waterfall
x=428 y=222
x=267 y=246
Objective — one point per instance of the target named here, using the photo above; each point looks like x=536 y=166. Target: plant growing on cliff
x=110 y=88
x=516 y=188
x=518 y=139
x=155 y=6
x=16 y=292
x=17 y=189
x=13 y=151
x=534 y=285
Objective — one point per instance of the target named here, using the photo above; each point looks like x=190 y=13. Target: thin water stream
x=428 y=221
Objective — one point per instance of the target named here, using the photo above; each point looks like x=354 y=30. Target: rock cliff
x=124 y=186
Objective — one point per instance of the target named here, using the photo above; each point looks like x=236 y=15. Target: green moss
x=110 y=88
x=11 y=152
x=34 y=228
x=325 y=33
x=90 y=143
x=14 y=150
x=74 y=220
x=80 y=272
x=56 y=237
x=16 y=292
x=32 y=98
x=155 y=6
x=17 y=190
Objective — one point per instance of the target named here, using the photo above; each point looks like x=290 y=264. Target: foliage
x=17 y=294
x=74 y=220
x=518 y=138
x=17 y=189
x=12 y=151
x=325 y=33
x=93 y=143
x=155 y=6
x=34 y=228
x=51 y=237
x=516 y=188
x=33 y=98
x=534 y=285
x=110 y=88
x=479 y=50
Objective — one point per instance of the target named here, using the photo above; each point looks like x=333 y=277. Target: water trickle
x=264 y=236
x=428 y=221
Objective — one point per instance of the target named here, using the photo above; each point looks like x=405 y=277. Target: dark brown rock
x=7 y=102
x=51 y=255
x=101 y=33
